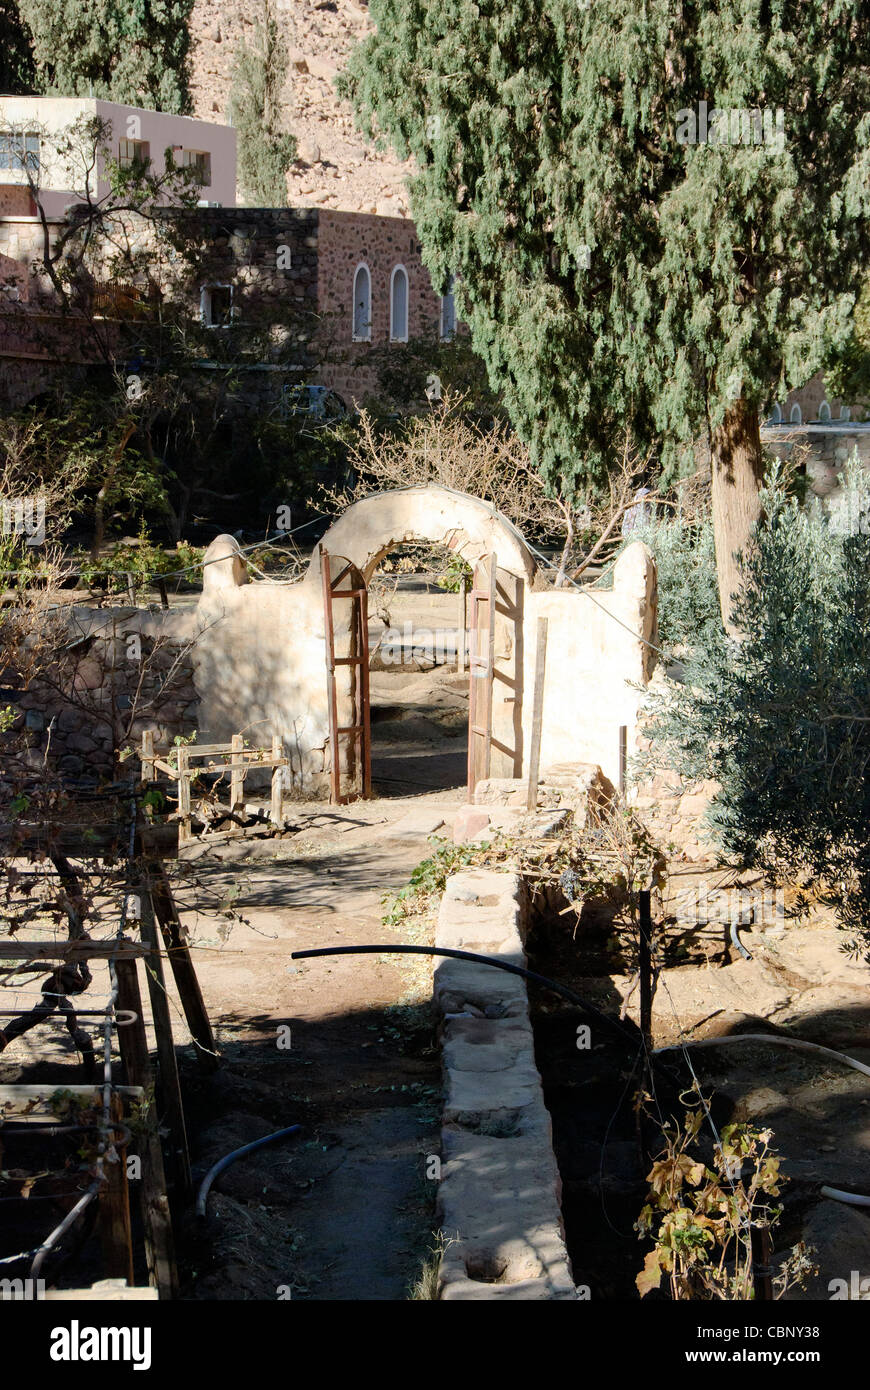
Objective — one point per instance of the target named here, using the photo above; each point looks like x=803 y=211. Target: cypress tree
x=265 y=150
x=658 y=211
x=135 y=53
x=16 y=52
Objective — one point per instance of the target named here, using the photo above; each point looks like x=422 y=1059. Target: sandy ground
x=343 y=1210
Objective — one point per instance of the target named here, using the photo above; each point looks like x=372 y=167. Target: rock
x=322 y=68
x=89 y=674
x=469 y=822
x=308 y=151
x=502 y=791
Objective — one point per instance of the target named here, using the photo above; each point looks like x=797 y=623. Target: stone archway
x=466 y=525
x=475 y=530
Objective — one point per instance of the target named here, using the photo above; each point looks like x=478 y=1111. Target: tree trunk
x=737 y=468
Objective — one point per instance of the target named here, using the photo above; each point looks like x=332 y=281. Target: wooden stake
x=277 y=809
x=361 y=602
x=116 y=1235
x=146 y=757
x=537 y=715
x=184 y=793
x=183 y=971
x=156 y=1220
x=490 y=664
x=645 y=966
x=170 y=1087
x=237 y=785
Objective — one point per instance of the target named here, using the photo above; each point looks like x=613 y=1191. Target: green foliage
x=17 y=73
x=143 y=560
x=428 y=880
x=403 y=373
x=847 y=371
x=137 y=54
x=688 y=598
x=701 y=1214
x=781 y=718
x=457 y=572
x=265 y=150
x=612 y=275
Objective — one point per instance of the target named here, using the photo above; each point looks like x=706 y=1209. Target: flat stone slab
x=499 y=1193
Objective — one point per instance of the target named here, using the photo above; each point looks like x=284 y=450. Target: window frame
x=203 y=167
x=16 y=147
x=142 y=155
x=365 y=337
x=448 y=295
x=399 y=269
x=206 y=290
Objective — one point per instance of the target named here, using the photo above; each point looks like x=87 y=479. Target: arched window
x=796 y=417
x=448 y=312
x=776 y=414
x=824 y=413
x=399 y=305
x=845 y=412
x=362 y=305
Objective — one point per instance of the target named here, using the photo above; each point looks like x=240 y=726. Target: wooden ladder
x=348 y=583
x=481 y=663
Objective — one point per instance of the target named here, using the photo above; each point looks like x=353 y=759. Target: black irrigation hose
x=222 y=1163
x=476 y=959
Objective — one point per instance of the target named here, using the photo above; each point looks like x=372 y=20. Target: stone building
x=332 y=287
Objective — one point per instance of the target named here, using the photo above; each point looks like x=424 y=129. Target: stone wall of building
x=21 y=239
x=829 y=446
x=270 y=258
x=347 y=240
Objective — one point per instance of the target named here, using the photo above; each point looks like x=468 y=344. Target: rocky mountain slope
x=337 y=167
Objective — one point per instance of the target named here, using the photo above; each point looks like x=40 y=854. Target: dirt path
x=342 y=1210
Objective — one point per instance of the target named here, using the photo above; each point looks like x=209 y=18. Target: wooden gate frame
x=359 y=730
x=481 y=669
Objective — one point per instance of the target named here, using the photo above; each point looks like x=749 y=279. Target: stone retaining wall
x=499 y=1195
x=103 y=693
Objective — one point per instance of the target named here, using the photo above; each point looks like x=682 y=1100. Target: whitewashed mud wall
x=260 y=662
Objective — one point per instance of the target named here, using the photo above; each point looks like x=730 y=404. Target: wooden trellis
x=178 y=763
x=159 y=927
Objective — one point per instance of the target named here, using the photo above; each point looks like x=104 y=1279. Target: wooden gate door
x=495 y=674
x=481 y=669
x=348 y=702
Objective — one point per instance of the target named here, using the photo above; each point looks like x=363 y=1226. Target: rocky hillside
x=337 y=168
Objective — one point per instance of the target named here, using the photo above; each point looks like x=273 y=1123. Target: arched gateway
x=289 y=658
x=466 y=525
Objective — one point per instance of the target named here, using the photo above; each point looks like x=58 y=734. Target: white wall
x=61 y=183
x=260 y=659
